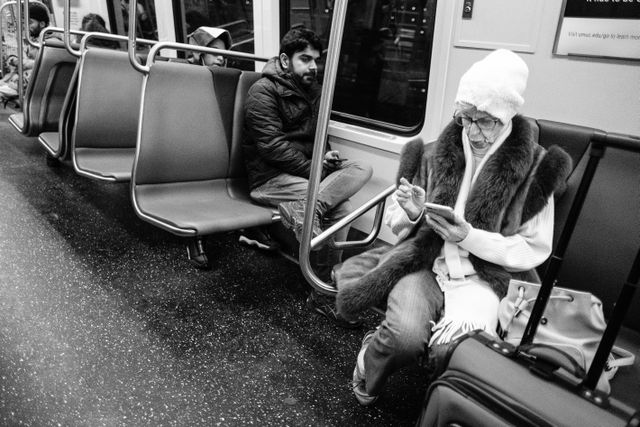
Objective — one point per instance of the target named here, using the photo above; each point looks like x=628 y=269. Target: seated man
x=446 y=277
x=38 y=21
x=280 y=121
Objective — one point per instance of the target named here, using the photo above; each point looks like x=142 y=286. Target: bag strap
x=626 y=358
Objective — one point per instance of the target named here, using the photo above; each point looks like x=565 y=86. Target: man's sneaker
x=325 y=305
x=258 y=237
x=358 y=383
x=292 y=214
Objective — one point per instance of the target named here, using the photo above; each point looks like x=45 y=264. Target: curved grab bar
x=133 y=58
x=326 y=98
x=379 y=202
x=109 y=36
x=67 y=30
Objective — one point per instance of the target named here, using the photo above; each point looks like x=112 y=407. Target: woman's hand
x=411 y=198
x=451 y=232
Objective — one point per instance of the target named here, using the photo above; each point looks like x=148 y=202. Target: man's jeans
x=403 y=336
x=333 y=196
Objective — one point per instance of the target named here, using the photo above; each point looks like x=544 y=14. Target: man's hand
x=411 y=198
x=452 y=232
x=332 y=160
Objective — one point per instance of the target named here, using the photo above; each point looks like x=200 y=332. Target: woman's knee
x=408 y=338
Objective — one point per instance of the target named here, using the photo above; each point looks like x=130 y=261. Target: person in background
x=94 y=23
x=9 y=82
x=217 y=38
x=281 y=114
x=38 y=20
x=446 y=276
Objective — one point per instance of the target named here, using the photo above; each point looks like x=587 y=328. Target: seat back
x=575 y=141
x=107 y=101
x=47 y=88
x=57 y=143
x=238 y=184
x=186 y=124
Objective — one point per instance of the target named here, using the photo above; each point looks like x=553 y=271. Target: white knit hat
x=495 y=85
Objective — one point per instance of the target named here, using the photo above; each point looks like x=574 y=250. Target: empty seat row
x=189 y=175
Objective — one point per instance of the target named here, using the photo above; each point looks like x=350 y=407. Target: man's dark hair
x=39 y=13
x=298 y=39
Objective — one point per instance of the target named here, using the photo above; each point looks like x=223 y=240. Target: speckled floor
x=104 y=323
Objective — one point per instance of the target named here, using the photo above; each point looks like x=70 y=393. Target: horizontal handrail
x=201 y=49
x=60 y=30
x=109 y=36
x=617 y=140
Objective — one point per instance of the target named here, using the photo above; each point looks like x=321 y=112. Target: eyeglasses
x=486 y=124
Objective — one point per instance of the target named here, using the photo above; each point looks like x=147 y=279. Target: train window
x=147 y=27
x=385 y=57
x=236 y=16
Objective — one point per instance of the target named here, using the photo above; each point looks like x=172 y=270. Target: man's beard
x=307 y=79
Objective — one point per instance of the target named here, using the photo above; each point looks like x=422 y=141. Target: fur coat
x=513 y=186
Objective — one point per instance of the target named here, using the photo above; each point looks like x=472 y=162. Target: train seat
x=57 y=143
x=46 y=90
x=188 y=175
x=103 y=140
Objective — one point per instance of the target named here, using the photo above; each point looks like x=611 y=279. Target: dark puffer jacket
x=279 y=127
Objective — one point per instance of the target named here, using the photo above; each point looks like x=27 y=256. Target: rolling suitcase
x=492 y=383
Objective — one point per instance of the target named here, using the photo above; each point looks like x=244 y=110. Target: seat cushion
x=111 y=164
x=50 y=141
x=203 y=207
x=17 y=120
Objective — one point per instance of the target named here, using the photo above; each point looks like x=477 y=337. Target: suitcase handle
x=546 y=360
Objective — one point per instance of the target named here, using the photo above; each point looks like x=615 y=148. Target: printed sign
x=603 y=28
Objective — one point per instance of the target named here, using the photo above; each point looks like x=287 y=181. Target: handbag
x=573 y=322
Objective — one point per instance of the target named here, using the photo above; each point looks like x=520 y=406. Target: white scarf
x=469 y=303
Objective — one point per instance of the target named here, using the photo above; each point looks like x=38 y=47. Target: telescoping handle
x=549 y=280
x=613 y=326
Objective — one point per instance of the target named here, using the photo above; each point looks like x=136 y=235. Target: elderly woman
x=445 y=277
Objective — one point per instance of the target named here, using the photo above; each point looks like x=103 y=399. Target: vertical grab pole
x=2 y=13
x=20 y=45
x=133 y=7
x=67 y=30
x=326 y=99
